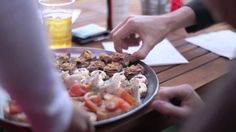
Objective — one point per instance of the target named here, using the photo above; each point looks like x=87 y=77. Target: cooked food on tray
x=104 y=85
x=112 y=68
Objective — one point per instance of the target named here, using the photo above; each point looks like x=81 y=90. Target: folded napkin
x=163 y=53
x=222 y=43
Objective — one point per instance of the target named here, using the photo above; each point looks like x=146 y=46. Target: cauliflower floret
x=107 y=87
x=102 y=75
x=71 y=79
x=96 y=78
x=140 y=78
x=82 y=72
x=117 y=78
x=64 y=74
x=142 y=89
x=77 y=76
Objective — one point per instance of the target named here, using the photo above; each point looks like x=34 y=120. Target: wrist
x=180 y=18
x=164 y=24
x=170 y=23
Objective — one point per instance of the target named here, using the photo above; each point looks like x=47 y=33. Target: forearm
x=167 y=23
x=194 y=16
x=180 y=18
x=25 y=68
x=203 y=16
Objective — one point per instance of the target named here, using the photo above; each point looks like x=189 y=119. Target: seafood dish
x=105 y=85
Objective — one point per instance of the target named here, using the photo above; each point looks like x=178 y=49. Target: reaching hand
x=148 y=29
x=178 y=102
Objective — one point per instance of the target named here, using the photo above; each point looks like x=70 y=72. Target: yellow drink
x=59 y=29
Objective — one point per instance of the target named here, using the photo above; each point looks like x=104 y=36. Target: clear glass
x=155 y=7
x=57 y=16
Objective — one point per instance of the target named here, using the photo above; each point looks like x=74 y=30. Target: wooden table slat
x=202 y=75
x=192 y=54
x=186 y=48
x=180 y=69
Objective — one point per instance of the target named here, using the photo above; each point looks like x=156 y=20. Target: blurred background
x=95 y=11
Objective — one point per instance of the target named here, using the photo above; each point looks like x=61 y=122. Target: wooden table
x=204 y=67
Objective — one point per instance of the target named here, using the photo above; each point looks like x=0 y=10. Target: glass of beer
x=57 y=17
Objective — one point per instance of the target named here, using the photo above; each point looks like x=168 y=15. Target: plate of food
x=108 y=85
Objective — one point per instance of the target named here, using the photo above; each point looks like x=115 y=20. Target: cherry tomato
x=14 y=109
x=77 y=90
x=111 y=105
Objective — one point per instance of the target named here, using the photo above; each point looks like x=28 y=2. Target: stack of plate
x=155 y=7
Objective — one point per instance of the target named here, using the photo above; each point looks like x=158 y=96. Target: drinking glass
x=57 y=17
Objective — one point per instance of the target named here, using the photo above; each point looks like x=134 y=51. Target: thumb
x=166 y=108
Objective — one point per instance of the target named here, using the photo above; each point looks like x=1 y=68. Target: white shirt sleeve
x=26 y=71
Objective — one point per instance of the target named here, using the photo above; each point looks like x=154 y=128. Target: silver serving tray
x=153 y=86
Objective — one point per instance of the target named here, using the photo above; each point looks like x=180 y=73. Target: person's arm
x=219 y=114
x=203 y=16
x=178 y=102
x=26 y=70
x=150 y=29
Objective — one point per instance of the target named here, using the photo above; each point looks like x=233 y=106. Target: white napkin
x=4 y=98
x=75 y=14
x=222 y=42
x=163 y=53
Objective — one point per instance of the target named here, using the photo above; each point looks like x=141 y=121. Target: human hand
x=148 y=29
x=178 y=102
x=80 y=121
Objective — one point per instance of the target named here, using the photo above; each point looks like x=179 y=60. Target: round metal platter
x=153 y=85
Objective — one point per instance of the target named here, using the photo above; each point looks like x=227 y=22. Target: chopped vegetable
x=90 y=105
x=78 y=90
x=14 y=109
x=97 y=99
x=127 y=97
x=125 y=106
x=111 y=105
